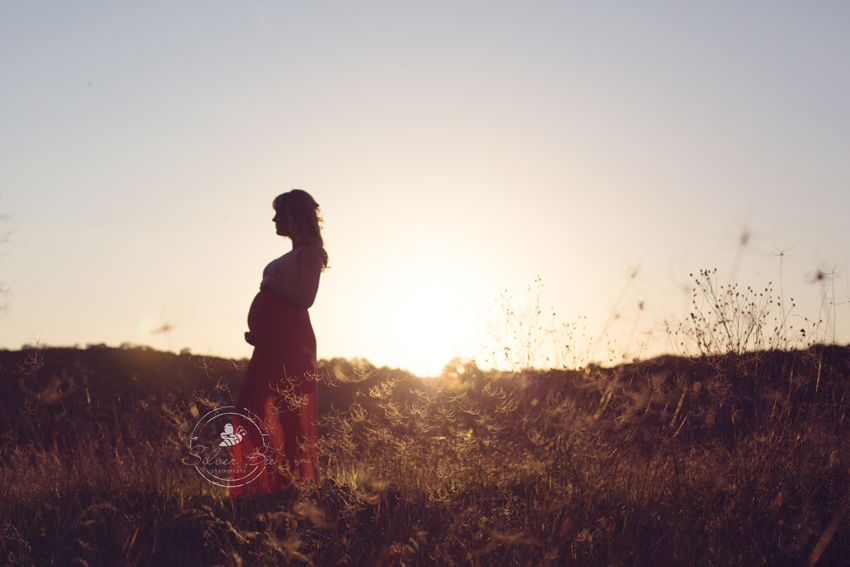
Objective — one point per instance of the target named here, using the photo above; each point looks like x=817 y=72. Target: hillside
x=733 y=459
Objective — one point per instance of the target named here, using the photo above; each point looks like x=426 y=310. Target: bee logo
x=239 y=425
x=231 y=438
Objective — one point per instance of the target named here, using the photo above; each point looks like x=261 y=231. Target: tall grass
x=737 y=456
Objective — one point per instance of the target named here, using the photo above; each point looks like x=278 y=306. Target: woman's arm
x=302 y=293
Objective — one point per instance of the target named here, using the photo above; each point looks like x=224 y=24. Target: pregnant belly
x=274 y=322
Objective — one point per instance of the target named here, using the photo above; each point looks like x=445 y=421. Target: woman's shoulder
x=309 y=252
x=309 y=249
x=311 y=255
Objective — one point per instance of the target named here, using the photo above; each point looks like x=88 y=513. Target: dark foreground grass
x=737 y=459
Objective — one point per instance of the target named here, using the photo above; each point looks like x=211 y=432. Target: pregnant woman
x=280 y=380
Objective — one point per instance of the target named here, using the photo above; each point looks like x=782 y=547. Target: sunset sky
x=458 y=150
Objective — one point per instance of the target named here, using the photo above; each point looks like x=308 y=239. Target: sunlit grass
x=733 y=457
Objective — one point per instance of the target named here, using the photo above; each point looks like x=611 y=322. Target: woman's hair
x=303 y=218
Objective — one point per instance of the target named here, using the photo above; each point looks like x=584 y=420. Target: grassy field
x=737 y=455
x=734 y=459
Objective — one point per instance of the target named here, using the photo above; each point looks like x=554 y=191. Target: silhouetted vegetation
x=732 y=457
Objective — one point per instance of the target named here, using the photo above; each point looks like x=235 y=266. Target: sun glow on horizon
x=458 y=152
x=426 y=314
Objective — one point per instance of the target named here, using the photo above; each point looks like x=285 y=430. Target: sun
x=425 y=315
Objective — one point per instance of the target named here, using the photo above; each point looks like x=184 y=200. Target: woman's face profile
x=280 y=223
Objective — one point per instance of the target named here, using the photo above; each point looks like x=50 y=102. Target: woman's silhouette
x=280 y=380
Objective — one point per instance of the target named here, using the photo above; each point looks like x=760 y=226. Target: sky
x=460 y=151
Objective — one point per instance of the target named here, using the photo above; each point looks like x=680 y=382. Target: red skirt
x=280 y=388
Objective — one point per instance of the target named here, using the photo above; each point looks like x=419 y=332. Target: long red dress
x=280 y=387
